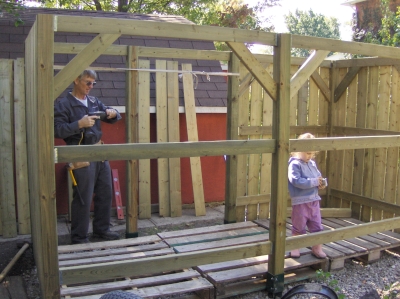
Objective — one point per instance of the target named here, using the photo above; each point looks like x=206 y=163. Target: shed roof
x=111 y=85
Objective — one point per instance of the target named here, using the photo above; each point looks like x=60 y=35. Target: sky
x=331 y=8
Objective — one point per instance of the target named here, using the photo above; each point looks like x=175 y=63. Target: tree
x=13 y=8
x=387 y=31
x=231 y=13
x=311 y=24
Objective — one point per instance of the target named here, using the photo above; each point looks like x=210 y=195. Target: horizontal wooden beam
x=334 y=45
x=267 y=130
x=133 y=151
x=365 y=62
x=342 y=233
x=352 y=131
x=343 y=143
x=367 y=201
x=159 y=264
x=162 y=29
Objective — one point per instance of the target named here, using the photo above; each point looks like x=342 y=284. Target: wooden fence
x=365 y=107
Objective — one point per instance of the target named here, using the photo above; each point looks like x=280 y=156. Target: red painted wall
x=210 y=127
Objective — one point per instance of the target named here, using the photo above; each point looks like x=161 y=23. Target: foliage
x=224 y=13
x=13 y=8
x=388 y=31
x=326 y=278
x=311 y=24
x=392 y=293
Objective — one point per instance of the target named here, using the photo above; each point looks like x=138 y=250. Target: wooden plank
x=221 y=243
x=117 y=194
x=21 y=163
x=324 y=104
x=347 y=182
x=42 y=151
x=355 y=131
x=256 y=103
x=176 y=288
x=113 y=251
x=175 y=195
x=205 y=230
x=337 y=157
x=131 y=283
x=308 y=42
x=114 y=258
x=107 y=244
x=294 y=130
x=305 y=71
x=313 y=104
x=242 y=122
x=132 y=166
x=144 y=137
x=82 y=60
x=162 y=136
x=192 y=131
x=266 y=159
x=392 y=152
x=382 y=119
x=7 y=204
x=162 y=29
x=367 y=201
x=345 y=82
x=372 y=102
x=255 y=68
x=211 y=236
x=185 y=149
x=279 y=167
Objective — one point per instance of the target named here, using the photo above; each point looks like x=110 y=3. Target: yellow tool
x=76 y=186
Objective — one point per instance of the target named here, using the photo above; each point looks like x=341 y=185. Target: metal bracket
x=275 y=284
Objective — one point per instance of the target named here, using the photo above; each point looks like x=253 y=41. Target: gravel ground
x=380 y=279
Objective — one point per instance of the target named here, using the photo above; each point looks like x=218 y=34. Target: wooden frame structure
x=42 y=87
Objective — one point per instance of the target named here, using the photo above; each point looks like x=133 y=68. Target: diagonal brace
x=255 y=68
x=82 y=60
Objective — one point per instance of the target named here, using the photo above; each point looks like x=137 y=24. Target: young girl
x=304 y=181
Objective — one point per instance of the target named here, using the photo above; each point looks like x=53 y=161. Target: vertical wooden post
x=131 y=119
x=162 y=136
x=39 y=58
x=143 y=109
x=333 y=73
x=174 y=164
x=279 y=169
x=8 y=216
x=21 y=163
x=232 y=134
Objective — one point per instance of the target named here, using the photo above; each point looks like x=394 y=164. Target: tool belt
x=77 y=165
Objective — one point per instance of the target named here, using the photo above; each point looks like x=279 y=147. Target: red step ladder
x=117 y=195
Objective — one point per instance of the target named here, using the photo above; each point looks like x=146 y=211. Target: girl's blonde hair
x=304 y=136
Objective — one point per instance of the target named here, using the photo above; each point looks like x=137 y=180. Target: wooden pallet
x=366 y=248
x=214 y=237
x=249 y=275
x=187 y=281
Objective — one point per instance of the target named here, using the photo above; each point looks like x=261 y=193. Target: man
x=74 y=123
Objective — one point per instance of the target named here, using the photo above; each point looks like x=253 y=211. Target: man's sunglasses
x=88 y=83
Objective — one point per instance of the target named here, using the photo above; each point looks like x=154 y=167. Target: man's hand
x=87 y=121
x=111 y=113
